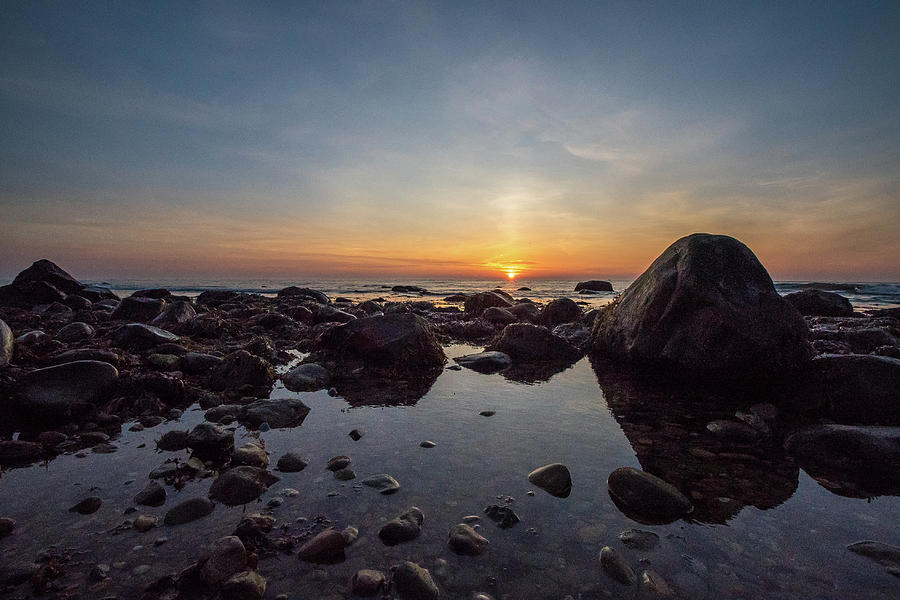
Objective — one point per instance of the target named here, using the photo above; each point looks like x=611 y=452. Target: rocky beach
x=697 y=434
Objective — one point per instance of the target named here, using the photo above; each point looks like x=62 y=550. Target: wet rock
x=55 y=391
x=594 y=285
x=254 y=526
x=344 y=474
x=478 y=303
x=638 y=539
x=153 y=494
x=706 y=309
x=223 y=413
x=139 y=310
x=350 y=535
x=646 y=496
x=227 y=556
x=292 y=462
x=197 y=362
x=883 y=554
x=331 y=314
x=139 y=337
x=525 y=311
x=814 y=302
x=413 y=582
x=75 y=332
x=325 y=548
x=241 y=368
x=246 y=585
x=189 y=510
x=485 y=362
x=308 y=377
x=615 y=565
x=96 y=354
x=860 y=388
x=733 y=430
x=404 y=528
x=44 y=282
x=175 y=314
x=144 y=523
x=164 y=362
x=555 y=479
x=6 y=526
x=210 y=442
x=559 y=311
x=866 y=456
x=277 y=413
x=465 y=540
x=336 y=463
x=576 y=334
x=87 y=506
x=384 y=483
x=503 y=516
x=14 y=452
x=366 y=583
x=427 y=444
x=172 y=441
x=240 y=485
x=356 y=434
x=654 y=585
x=400 y=345
x=498 y=316
x=250 y=454
x=532 y=343
x=488 y=413
x=304 y=293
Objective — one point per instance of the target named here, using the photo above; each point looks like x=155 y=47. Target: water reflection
x=667 y=428
x=381 y=391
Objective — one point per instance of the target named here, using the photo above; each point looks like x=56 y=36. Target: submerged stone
x=646 y=496
x=554 y=479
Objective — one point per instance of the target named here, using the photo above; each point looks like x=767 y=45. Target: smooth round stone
x=292 y=462
x=555 y=479
x=462 y=539
x=189 y=510
x=227 y=556
x=153 y=494
x=427 y=444
x=384 y=483
x=337 y=463
x=145 y=523
x=326 y=547
x=366 y=583
x=645 y=497
x=87 y=506
x=615 y=565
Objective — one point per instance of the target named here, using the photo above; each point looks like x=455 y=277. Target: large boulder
x=138 y=309
x=856 y=388
x=532 y=343
x=594 y=285
x=559 y=311
x=6 y=344
x=706 y=309
x=304 y=294
x=58 y=391
x=398 y=345
x=820 y=303
x=478 y=303
x=43 y=283
x=241 y=368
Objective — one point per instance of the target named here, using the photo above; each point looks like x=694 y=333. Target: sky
x=177 y=140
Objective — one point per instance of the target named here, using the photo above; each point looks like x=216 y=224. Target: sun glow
x=511 y=274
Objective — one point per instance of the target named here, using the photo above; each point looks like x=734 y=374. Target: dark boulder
x=241 y=368
x=139 y=337
x=555 y=479
x=576 y=334
x=75 y=332
x=645 y=497
x=525 y=311
x=175 y=313
x=210 y=442
x=594 y=285
x=533 y=343
x=304 y=294
x=477 y=303
x=559 y=311
x=138 y=310
x=330 y=314
x=197 y=362
x=277 y=413
x=706 y=309
x=189 y=510
x=400 y=345
x=855 y=388
x=820 y=303
x=306 y=378
x=58 y=391
x=240 y=485
x=404 y=528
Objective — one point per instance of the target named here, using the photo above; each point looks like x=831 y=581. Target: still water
x=779 y=534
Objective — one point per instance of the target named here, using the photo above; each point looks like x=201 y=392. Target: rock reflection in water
x=667 y=429
x=381 y=391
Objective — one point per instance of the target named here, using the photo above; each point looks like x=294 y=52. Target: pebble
x=356 y=434
x=462 y=539
x=427 y=444
x=488 y=413
x=638 y=539
x=615 y=565
x=384 y=483
x=367 y=582
x=145 y=523
x=337 y=463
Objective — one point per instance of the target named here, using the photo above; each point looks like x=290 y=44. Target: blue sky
x=181 y=139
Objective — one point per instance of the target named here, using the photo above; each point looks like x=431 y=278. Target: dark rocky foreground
x=720 y=385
